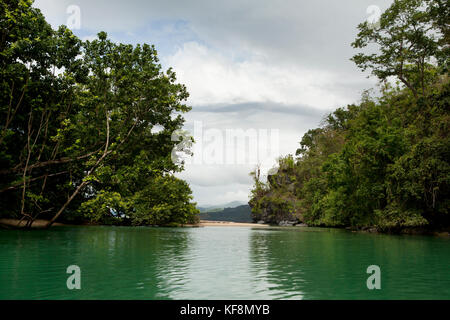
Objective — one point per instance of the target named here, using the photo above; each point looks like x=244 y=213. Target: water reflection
x=220 y=263
x=331 y=264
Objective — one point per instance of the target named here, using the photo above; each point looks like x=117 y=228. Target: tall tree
x=77 y=118
x=383 y=162
x=411 y=37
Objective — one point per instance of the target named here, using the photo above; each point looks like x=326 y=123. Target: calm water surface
x=220 y=263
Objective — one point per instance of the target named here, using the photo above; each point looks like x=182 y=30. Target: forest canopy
x=382 y=162
x=78 y=120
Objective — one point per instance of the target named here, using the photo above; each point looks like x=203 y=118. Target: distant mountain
x=209 y=209
x=237 y=214
x=219 y=207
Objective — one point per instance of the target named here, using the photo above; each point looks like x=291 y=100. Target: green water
x=220 y=263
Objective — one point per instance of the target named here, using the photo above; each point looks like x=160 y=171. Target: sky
x=262 y=69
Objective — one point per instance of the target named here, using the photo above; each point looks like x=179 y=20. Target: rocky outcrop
x=275 y=202
x=276 y=209
x=287 y=223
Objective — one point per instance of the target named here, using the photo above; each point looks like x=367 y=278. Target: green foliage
x=383 y=162
x=385 y=165
x=165 y=201
x=105 y=207
x=76 y=122
x=274 y=201
x=410 y=36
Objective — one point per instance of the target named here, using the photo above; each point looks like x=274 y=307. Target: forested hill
x=383 y=162
x=237 y=214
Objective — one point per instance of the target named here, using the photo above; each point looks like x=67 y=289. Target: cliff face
x=274 y=202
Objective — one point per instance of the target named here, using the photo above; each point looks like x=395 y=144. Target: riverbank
x=208 y=223
x=403 y=231
x=16 y=223
x=39 y=224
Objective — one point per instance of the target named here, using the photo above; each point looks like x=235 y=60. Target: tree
x=35 y=101
x=383 y=162
x=79 y=119
x=411 y=40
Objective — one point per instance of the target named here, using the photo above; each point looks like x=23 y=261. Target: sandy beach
x=13 y=223
x=207 y=223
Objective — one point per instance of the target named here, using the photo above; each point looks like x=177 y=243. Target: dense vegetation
x=383 y=162
x=86 y=127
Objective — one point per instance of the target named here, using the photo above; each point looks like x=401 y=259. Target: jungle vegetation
x=86 y=127
x=383 y=162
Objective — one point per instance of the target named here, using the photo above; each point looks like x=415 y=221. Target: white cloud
x=210 y=182
x=213 y=78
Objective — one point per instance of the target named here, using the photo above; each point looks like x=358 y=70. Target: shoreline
x=211 y=223
x=9 y=223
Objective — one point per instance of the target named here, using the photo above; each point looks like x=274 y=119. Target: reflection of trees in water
x=158 y=263
x=172 y=261
x=121 y=262
x=332 y=264
x=33 y=263
x=308 y=264
x=24 y=266
x=153 y=260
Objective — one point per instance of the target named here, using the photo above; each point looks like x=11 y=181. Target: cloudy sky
x=278 y=66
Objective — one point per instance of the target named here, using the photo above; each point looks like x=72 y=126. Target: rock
x=286 y=223
x=301 y=225
x=260 y=222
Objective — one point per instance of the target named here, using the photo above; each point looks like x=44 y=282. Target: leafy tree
x=35 y=107
x=383 y=162
x=166 y=201
x=412 y=37
x=78 y=120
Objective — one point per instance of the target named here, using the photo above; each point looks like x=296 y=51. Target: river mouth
x=220 y=263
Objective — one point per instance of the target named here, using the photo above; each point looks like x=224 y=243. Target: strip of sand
x=208 y=223
x=14 y=223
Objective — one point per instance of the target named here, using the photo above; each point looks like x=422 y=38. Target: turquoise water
x=220 y=263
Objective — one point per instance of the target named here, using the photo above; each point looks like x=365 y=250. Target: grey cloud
x=217 y=175
x=249 y=108
x=310 y=33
